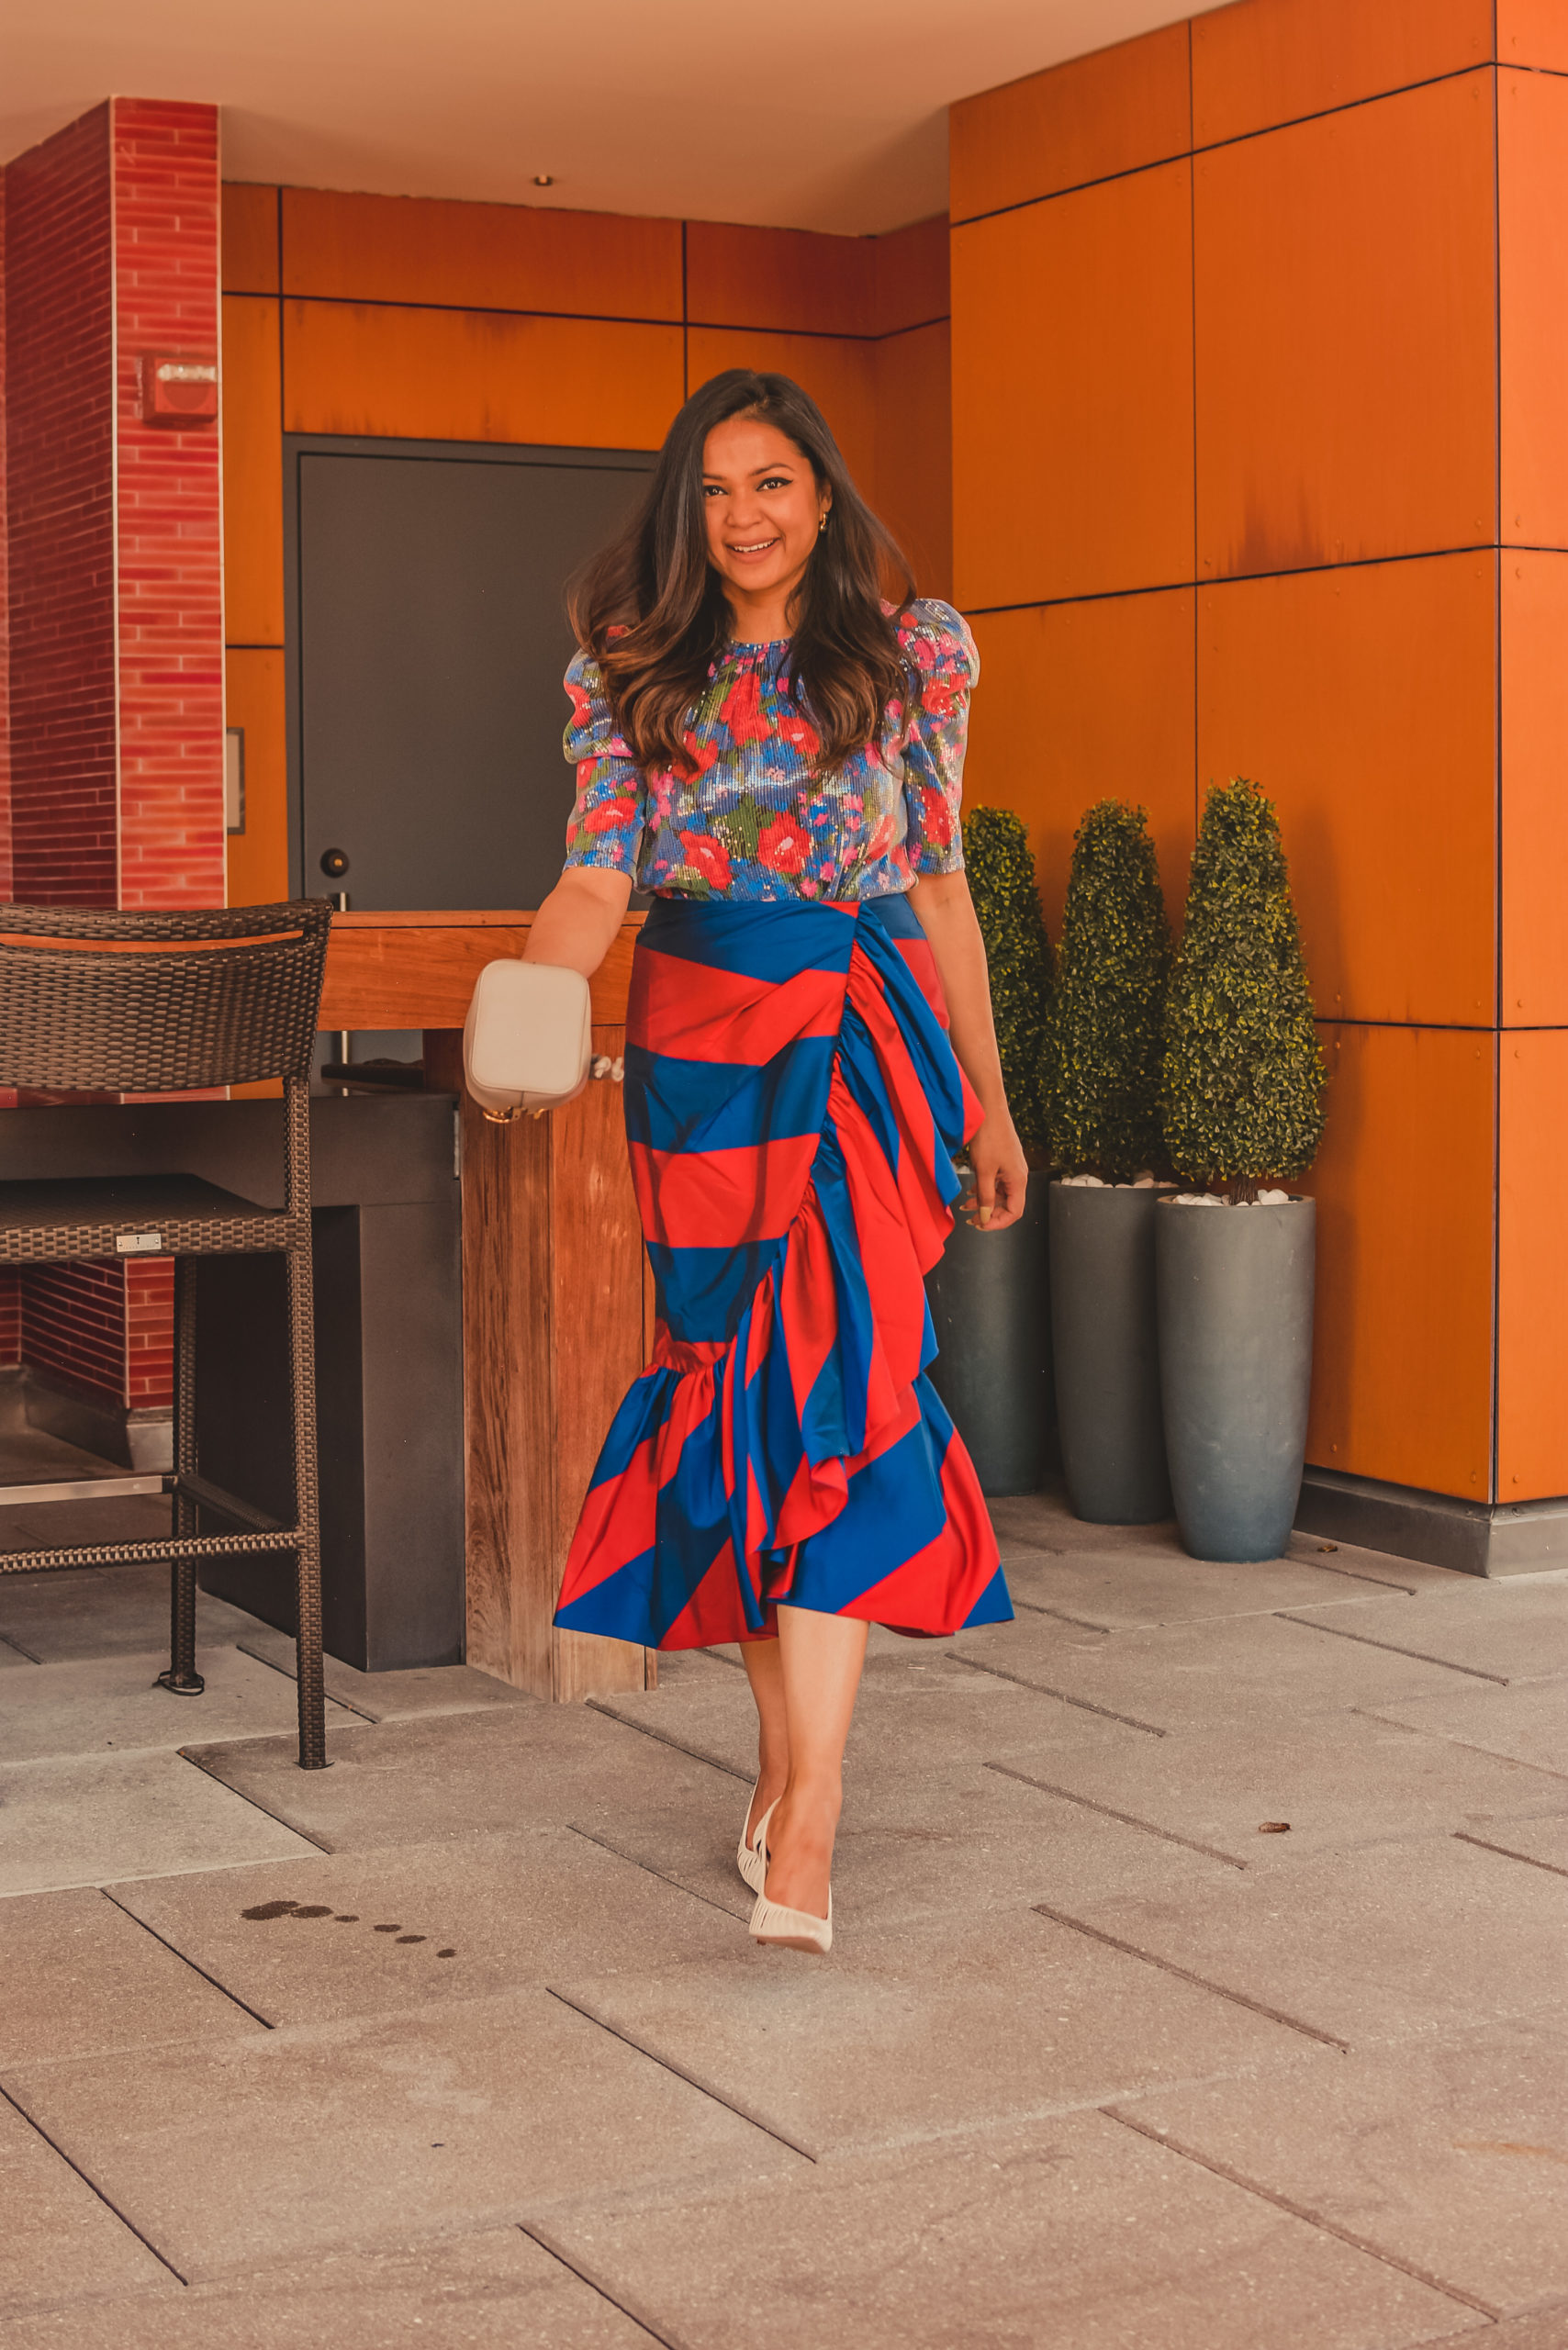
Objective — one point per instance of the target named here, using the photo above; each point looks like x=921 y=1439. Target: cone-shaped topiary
x=1103 y=1034
x=1243 y=1075
x=1001 y=871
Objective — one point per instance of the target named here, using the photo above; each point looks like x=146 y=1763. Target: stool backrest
x=88 y=1003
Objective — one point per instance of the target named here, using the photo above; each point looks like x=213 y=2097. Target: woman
x=776 y=753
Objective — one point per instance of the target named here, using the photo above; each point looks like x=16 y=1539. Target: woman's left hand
x=1001 y=1175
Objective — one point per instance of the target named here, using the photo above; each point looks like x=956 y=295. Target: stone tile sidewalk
x=463 y=2041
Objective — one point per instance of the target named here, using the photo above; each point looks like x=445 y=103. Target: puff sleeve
x=941 y=647
x=608 y=815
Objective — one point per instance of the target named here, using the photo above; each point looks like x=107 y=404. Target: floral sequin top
x=747 y=819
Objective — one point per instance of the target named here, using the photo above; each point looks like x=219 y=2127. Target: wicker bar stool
x=175 y=1003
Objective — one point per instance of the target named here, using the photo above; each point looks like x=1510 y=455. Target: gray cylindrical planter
x=1235 y=1358
x=1107 y=1353
x=991 y=1316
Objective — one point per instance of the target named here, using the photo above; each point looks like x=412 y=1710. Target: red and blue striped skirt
x=792 y=1108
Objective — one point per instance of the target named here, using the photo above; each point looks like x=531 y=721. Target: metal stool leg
x=306 y=1482
x=181 y=1676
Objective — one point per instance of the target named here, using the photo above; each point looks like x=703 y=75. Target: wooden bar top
x=417 y=971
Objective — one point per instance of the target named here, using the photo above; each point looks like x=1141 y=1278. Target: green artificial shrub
x=1243 y=1075
x=1000 y=872
x=1103 y=1035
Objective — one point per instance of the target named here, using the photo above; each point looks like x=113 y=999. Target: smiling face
x=764 y=509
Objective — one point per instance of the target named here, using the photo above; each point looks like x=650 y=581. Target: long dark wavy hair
x=653 y=611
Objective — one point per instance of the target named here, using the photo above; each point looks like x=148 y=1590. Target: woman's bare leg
x=820 y=1658
x=765 y=1673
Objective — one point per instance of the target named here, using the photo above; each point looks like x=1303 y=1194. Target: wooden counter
x=555 y=1326
x=418 y=970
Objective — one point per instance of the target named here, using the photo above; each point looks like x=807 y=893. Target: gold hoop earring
x=821 y=526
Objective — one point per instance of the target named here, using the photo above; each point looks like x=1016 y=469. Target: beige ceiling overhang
x=824 y=114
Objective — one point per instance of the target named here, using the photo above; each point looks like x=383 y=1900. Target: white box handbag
x=528 y=1041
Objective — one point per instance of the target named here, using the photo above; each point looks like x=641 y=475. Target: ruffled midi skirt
x=792 y=1108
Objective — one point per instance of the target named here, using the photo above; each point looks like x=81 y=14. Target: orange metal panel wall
x=914 y=449
x=1072 y=393
x=1406 y=1184
x=1346 y=360
x=1363 y=699
x=258 y=857
x=1115 y=111
x=1532 y=1266
x=911 y=286
x=1533 y=32
x=1322 y=458
x=1275 y=60
x=410 y=319
x=477 y=375
x=249 y=230
x=1086 y=702
x=1535 y=803
x=478 y=256
x=787 y=278
x=1532 y=172
x=252 y=472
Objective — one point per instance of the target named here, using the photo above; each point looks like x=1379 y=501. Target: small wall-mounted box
x=178 y=391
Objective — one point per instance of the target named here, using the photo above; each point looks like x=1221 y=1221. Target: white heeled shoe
x=782 y=1928
x=748 y=1851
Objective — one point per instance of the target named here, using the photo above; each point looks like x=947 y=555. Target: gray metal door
x=431 y=639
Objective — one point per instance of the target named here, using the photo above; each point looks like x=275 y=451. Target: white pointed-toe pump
x=748 y=1851
x=782 y=1928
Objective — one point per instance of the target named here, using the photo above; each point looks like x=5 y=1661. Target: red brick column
x=169 y=517
x=60 y=518
x=115 y=721
x=10 y=1288
x=168 y=512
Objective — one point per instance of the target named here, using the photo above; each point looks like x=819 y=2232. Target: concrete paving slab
x=915 y=2030
x=1205 y=1675
x=55 y=1525
x=82 y=1978
x=361 y=1933
x=955 y=1718
x=1373 y=1945
x=1074 y=2232
x=1044 y=1524
x=87 y=1820
x=928 y=1715
x=494 y=2291
x=389 y=1696
x=10 y=1656
x=1524 y=1722
x=1515 y=1629
x=927 y=1845
x=470 y=2115
x=1337 y=1780
x=27 y=1452
x=113 y=1704
x=1547 y=2330
x=1136 y=1591
x=56 y=1618
x=1542 y=1842
x=59 y=2237
x=1451 y=2155
x=457 y=1774
x=709 y=1714
x=972 y=1852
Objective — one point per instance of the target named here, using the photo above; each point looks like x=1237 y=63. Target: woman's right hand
x=577 y=924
